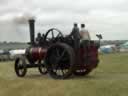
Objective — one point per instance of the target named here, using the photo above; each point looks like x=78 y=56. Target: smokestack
x=32 y=30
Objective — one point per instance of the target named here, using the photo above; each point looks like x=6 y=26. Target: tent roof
x=125 y=45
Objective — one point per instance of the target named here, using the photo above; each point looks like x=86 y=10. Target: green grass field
x=109 y=79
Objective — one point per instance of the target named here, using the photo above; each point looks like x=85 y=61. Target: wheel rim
x=59 y=62
x=81 y=72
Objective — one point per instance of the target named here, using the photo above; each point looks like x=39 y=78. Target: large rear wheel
x=60 y=61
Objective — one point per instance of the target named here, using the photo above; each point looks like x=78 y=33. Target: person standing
x=84 y=33
x=76 y=36
x=85 y=41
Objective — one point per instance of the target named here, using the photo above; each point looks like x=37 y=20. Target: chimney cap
x=32 y=19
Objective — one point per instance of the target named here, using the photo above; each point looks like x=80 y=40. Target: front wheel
x=20 y=67
x=42 y=68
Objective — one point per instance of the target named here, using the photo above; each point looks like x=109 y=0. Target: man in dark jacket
x=38 y=39
x=76 y=36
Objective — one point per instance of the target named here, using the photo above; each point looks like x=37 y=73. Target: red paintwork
x=38 y=53
x=91 y=52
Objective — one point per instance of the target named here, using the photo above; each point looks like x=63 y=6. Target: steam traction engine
x=54 y=54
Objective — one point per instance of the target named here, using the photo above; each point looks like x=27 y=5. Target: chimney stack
x=32 y=31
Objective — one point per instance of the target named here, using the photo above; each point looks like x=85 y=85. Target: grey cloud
x=108 y=17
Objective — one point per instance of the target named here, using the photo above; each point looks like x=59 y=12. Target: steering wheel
x=52 y=34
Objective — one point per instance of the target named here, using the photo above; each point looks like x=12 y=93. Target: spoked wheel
x=52 y=34
x=20 y=67
x=82 y=72
x=42 y=68
x=60 y=61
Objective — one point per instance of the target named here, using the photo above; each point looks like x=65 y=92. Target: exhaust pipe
x=32 y=31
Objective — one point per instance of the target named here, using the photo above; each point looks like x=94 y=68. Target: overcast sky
x=108 y=17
